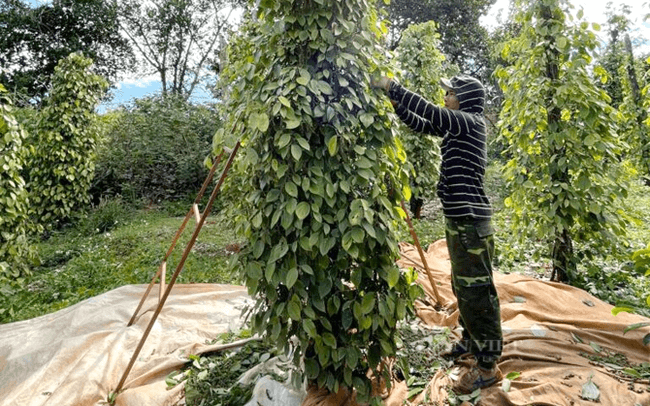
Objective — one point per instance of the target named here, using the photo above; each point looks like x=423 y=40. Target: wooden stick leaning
x=186 y=252
x=163 y=266
x=432 y=282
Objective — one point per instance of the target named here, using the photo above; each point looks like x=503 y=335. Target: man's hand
x=380 y=83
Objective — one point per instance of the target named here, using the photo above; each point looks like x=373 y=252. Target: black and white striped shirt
x=464 y=149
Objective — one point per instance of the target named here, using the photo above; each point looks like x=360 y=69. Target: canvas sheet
x=77 y=355
x=546 y=327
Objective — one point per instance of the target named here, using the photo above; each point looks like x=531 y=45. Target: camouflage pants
x=471 y=248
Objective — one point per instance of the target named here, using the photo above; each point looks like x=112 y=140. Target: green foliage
x=77 y=264
x=105 y=217
x=154 y=150
x=62 y=165
x=565 y=174
x=213 y=378
x=418 y=55
x=35 y=36
x=16 y=252
x=464 y=40
x=642 y=143
x=318 y=163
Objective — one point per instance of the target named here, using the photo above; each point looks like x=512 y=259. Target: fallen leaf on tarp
x=577 y=338
x=588 y=303
x=505 y=385
x=519 y=299
x=595 y=346
x=590 y=391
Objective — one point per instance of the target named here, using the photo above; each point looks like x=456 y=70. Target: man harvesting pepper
x=468 y=214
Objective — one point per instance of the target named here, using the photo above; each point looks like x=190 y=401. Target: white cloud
x=138 y=81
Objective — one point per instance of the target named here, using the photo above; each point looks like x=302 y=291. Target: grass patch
x=87 y=260
x=115 y=245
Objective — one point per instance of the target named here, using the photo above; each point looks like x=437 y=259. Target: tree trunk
x=643 y=114
x=563 y=261
x=564 y=266
x=416 y=207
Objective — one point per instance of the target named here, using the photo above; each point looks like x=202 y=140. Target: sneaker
x=458 y=350
x=472 y=377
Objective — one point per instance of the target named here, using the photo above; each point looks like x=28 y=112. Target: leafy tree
x=63 y=162
x=463 y=40
x=178 y=40
x=15 y=251
x=422 y=62
x=318 y=164
x=565 y=175
x=634 y=122
x=613 y=58
x=154 y=149
x=33 y=40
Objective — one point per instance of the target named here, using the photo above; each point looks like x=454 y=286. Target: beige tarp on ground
x=77 y=355
x=541 y=321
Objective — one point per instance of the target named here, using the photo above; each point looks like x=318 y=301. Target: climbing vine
x=319 y=178
x=62 y=165
x=564 y=174
x=422 y=62
x=15 y=251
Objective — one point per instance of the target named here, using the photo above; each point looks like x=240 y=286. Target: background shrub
x=61 y=165
x=154 y=150
x=15 y=251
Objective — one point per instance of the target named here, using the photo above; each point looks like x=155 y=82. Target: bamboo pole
x=180 y=230
x=432 y=282
x=179 y=268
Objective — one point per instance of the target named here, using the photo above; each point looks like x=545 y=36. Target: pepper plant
x=564 y=175
x=62 y=165
x=422 y=63
x=15 y=251
x=320 y=178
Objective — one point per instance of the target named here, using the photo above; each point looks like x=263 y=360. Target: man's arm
x=424 y=116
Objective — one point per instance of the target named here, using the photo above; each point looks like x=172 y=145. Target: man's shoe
x=474 y=377
x=458 y=350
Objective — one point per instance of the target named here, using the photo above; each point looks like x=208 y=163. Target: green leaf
x=393 y=276
x=294 y=310
x=292 y=277
x=635 y=326
x=368 y=303
x=329 y=340
x=291 y=189
x=617 y=309
x=284 y=101
x=358 y=235
x=632 y=372
x=309 y=327
x=296 y=152
x=284 y=140
x=577 y=338
x=331 y=145
x=595 y=346
x=303 y=209
x=291 y=124
x=367 y=119
x=312 y=369
x=259 y=121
